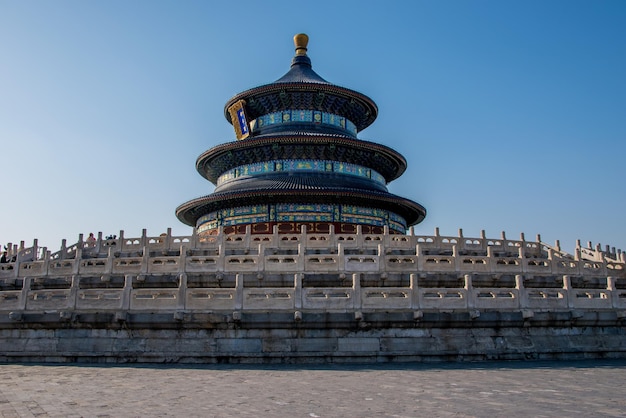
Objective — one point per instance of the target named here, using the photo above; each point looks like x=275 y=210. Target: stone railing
x=311 y=272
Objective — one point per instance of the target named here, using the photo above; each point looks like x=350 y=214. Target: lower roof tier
x=190 y=212
x=289 y=217
x=296 y=228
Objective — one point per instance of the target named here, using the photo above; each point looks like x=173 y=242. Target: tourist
x=91 y=240
x=3 y=259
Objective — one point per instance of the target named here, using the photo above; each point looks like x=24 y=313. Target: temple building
x=297 y=162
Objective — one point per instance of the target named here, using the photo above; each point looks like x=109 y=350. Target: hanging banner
x=240 y=121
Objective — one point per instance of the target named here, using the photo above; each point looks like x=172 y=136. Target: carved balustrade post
x=414 y=291
x=63 y=249
x=73 y=295
x=491 y=260
x=247 y=237
x=26 y=282
x=77 y=259
x=469 y=289
x=455 y=258
x=46 y=261
x=420 y=259
x=521 y=291
x=298 y=290
x=120 y=244
x=261 y=257
x=144 y=238
x=332 y=237
x=567 y=286
x=238 y=291
x=341 y=257
x=356 y=288
x=145 y=259
x=386 y=236
x=360 y=240
x=182 y=291
x=99 y=243
x=168 y=239
x=610 y=286
x=126 y=292
x=300 y=263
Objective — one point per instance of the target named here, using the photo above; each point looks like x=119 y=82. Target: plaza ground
x=539 y=389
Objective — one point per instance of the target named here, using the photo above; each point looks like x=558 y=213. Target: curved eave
x=189 y=212
x=272 y=151
x=371 y=110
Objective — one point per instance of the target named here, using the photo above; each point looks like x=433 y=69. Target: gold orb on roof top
x=301 y=40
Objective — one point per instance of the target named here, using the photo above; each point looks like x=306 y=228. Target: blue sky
x=511 y=114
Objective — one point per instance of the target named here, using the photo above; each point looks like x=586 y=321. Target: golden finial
x=301 y=40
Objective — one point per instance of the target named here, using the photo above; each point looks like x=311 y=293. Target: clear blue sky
x=511 y=114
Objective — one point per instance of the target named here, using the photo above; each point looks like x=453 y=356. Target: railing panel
x=61 y=267
x=438 y=263
x=99 y=299
x=10 y=299
x=546 y=299
x=318 y=240
x=506 y=264
x=53 y=299
x=401 y=242
x=127 y=265
x=566 y=266
x=288 y=241
x=592 y=268
x=201 y=264
x=496 y=298
x=386 y=298
x=7 y=270
x=538 y=266
x=32 y=268
x=164 y=264
x=282 y=263
x=241 y=263
x=127 y=244
x=141 y=299
x=93 y=266
x=402 y=263
x=442 y=298
x=347 y=240
x=617 y=268
x=591 y=299
x=328 y=298
x=619 y=299
x=367 y=263
x=268 y=298
x=210 y=299
x=321 y=262
x=474 y=264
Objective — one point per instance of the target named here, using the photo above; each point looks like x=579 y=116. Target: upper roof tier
x=301 y=88
x=301 y=70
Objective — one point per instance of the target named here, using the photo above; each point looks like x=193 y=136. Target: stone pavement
x=515 y=389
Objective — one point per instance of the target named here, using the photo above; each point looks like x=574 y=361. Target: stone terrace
x=312 y=272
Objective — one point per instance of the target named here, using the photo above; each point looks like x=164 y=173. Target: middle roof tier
x=301 y=146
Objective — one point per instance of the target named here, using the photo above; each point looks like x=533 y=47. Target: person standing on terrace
x=91 y=240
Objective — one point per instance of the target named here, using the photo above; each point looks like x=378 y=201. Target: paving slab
x=496 y=389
